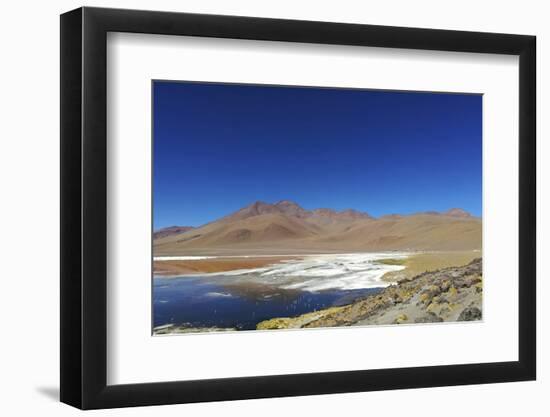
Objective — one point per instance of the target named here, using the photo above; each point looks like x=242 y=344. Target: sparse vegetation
x=392 y=261
x=428 y=261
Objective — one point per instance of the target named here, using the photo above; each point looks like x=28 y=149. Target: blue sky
x=219 y=147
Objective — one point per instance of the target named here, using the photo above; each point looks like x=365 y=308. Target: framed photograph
x=257 y=208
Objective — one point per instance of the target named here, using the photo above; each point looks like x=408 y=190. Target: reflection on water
x=241 y=299
x=227 y=303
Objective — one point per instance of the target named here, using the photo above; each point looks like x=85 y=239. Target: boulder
x=428 y=318
x=470 y=314
x=402 y=318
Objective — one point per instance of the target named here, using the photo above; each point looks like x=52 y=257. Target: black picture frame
x=84 y=207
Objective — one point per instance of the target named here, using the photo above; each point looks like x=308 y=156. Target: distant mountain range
x=169 y=231
x=285 y=227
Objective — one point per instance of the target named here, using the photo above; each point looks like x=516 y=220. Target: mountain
x=169 y=231
x=286 y=227
x=457 y=212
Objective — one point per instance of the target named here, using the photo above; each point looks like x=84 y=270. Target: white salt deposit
x=323 y=272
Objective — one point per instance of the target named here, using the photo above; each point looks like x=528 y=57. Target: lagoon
x=243 y=298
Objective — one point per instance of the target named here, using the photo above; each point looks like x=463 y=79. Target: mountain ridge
x=170 y=230
x=285 y=225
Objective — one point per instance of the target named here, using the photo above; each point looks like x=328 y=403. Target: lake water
x=241 y=299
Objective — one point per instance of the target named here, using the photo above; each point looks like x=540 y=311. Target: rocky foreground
x=445 y=295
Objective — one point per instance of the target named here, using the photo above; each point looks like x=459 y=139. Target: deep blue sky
x=219 y=147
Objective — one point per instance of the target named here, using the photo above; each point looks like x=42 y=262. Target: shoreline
x=398 y=287
x=422 y=262
x=452 y=294
x=413 y=262
x=446 y=295
x=212 y=265
x=197 y=265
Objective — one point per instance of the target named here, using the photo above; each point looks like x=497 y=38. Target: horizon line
x=432 y=212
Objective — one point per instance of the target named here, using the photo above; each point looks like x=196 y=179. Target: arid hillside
x=285 y=227
x=171 y=230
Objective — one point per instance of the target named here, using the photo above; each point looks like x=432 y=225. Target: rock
x=397 y=299
x=445 y=285
x=442 y=299
x=479 y=287
x=276 y=323
x=402 y=318
x=433 y=290
x=429 y=318
x=429 y=293
x=460 y=283
x=433 y=306
x=470 y=314
x=425 y=298
x=452 y=291
x=473 y=281
x=445 y=308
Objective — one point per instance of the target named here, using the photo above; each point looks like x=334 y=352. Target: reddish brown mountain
x=285 y=227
